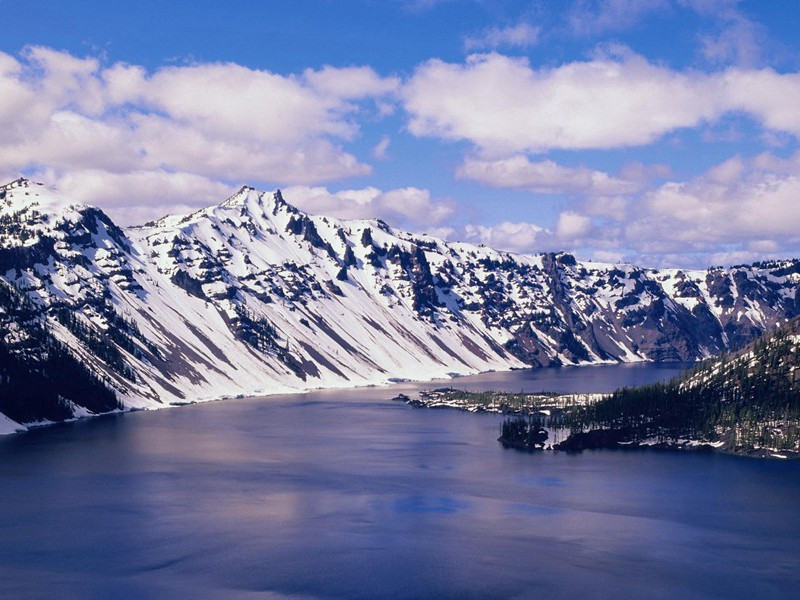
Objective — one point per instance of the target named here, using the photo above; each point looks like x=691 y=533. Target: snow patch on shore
x=8 y=426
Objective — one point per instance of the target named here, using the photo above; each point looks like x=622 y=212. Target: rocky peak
x=30 y=211
x=252 y=295
x=22 y=194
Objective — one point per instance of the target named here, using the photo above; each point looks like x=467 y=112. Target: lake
x=346 y=494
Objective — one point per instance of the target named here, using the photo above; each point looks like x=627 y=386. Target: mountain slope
x=746 y=402
x=253 y=296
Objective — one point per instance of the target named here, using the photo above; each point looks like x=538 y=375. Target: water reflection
x=348 y=495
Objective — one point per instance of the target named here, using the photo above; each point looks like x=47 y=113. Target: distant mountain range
x=254 y=296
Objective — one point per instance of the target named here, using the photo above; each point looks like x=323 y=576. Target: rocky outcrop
x=253 y=296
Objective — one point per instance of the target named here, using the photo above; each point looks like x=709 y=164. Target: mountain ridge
x=253 y=296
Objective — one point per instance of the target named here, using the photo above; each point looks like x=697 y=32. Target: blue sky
x=657 y=131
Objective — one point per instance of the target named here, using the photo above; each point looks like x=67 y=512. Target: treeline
x=101 y=345
x=255 y=330
x=523 y=432
x=46 y=388
x=752 y=395
x=39 y=377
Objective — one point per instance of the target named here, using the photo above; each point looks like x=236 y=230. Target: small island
x=745 y=403
x=507 y=403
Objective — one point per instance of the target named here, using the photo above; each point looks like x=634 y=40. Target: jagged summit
x=22 y=187
x=253 y=296
x=23 y=194
x=247 y=200
x=20 y=182
x=31 y=211
x=239 y=198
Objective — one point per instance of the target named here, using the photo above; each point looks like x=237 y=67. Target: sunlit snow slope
x=253 y=296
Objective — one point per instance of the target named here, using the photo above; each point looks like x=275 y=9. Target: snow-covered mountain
x=253 y=296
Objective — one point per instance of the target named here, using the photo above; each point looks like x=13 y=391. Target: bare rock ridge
x=254 y=296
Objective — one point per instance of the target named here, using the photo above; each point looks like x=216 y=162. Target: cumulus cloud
x=137 y=196
x=739 y=42
x=544 y=177
x=731 y=37
x=517 y=237
x=740 y=210
x=608 y=256
x=571 y=230
x=521 y=35
x=80 y=120
x=728 y=36
x=503 y=105
x=408 y=206
x=737 y=201
x=351 y=83
x=144 y=142
x=573 y=226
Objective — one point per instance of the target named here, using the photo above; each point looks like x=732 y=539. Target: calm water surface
x=347 y=495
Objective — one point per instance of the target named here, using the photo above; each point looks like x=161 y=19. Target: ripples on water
x=348 y=495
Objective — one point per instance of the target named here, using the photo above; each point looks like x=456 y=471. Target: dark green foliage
x=36 y=390
x=523 y=432
x=256 y=331
x=101 y=345
x=123 y=331
x=262 y=335
x=38 y=376
x=753 y=394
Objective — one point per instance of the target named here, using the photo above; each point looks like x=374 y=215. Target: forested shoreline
x=746 y=402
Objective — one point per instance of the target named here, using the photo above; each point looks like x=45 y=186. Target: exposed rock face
x=253 y=296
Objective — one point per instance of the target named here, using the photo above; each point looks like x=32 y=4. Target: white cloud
x=421 y=5
x=379 y=151
x=737 y=211
x=734 y=38
x=572 y=226
x=738 y=257
x=710 y=8
x=142 y=143
x=351 y=83
x=763 y=246
x=121 y=194
x=402 y=207
x=611 y=207
x=503 y=105
x=570 y=231
x=517 y=237
x=705 y=210
x=521 y=35
x=543 y=177
x=740 y=42
x=741 y=210
x=445 y=233
x=608 y=256
x=77 y=119
x=727 y=36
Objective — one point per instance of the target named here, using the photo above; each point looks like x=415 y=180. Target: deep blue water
x=345 y=494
